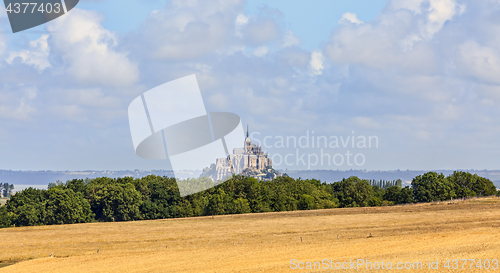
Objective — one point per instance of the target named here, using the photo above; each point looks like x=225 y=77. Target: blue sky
x=419 y=75
x=312 y=21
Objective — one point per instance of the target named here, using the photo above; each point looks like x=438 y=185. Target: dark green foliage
x=5 y=217
x=58 y=205
x=353 y=192
x=406 y=196
x=27 y=207
x=114 y=199
x=217 y=204
x=431 y=186
x=64 y=206
x=159 y=197
x=469 y=185
x=156 y=197
x=375 y=201
x=77 y=185
x=399 y=195
x=392 y=194
x=306 y=202
x=378 y=192
x=240 y=205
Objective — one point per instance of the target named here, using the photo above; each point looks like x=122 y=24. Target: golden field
x=264 y=242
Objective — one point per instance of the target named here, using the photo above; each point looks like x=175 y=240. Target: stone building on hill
x=249 y=160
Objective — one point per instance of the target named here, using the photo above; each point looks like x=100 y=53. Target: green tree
x=469 y=185
x=240 y=205
x=484 y=187
x=6 y=189
x=184 y=209
x=251 y=188
x=399 y=195
x=159 y=195
x=57 y=184
x=375 y=201
x=115 y=200
x=399 y=183
x=77 y=185
x=431 y=186
x=27 y=207
x=352 y=192
x=393 y=194
x=217 y=204
x=378 y=192
x=306 y=202
x=405 y=196
x=64 y=206
x=5 y=217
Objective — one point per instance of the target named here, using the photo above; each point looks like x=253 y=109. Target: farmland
x=262 y=242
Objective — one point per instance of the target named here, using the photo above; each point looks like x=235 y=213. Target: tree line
x=386 y=183
x=6 y=189
x=155 y=197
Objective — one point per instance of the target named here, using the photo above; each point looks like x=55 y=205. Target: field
x=3 y=200
x=266 y=242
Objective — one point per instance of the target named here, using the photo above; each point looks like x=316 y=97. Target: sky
x=413 y=82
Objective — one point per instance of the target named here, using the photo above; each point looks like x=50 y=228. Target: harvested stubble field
x=264 y=242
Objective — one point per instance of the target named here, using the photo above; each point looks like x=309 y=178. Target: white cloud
x=316 y=62
x=241 y=20
x=3 y=44
x=261 y=51
x=389 y=41
x=219 y=101
x=350 y=17
x=69 y=112
x=18 y=107
x=37 y=56
x=413 y=5
x=365 y=122
x=421 y=75
x=408 y=42
x=399 y=38
x=88 y=49
x=295 y=57
x=93 y=97
x=427 y=69
x=189 y=29
x=260 y=31
x=481 y=62
x=437 y=13
x=3 y=12
x=449 y=112
x=289 y=39
x=440 y=11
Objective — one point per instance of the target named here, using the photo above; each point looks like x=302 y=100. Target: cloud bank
x=422 y=77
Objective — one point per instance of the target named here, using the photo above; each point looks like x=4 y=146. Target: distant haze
x=40 y=179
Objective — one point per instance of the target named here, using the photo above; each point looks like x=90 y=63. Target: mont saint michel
x=249 y=161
